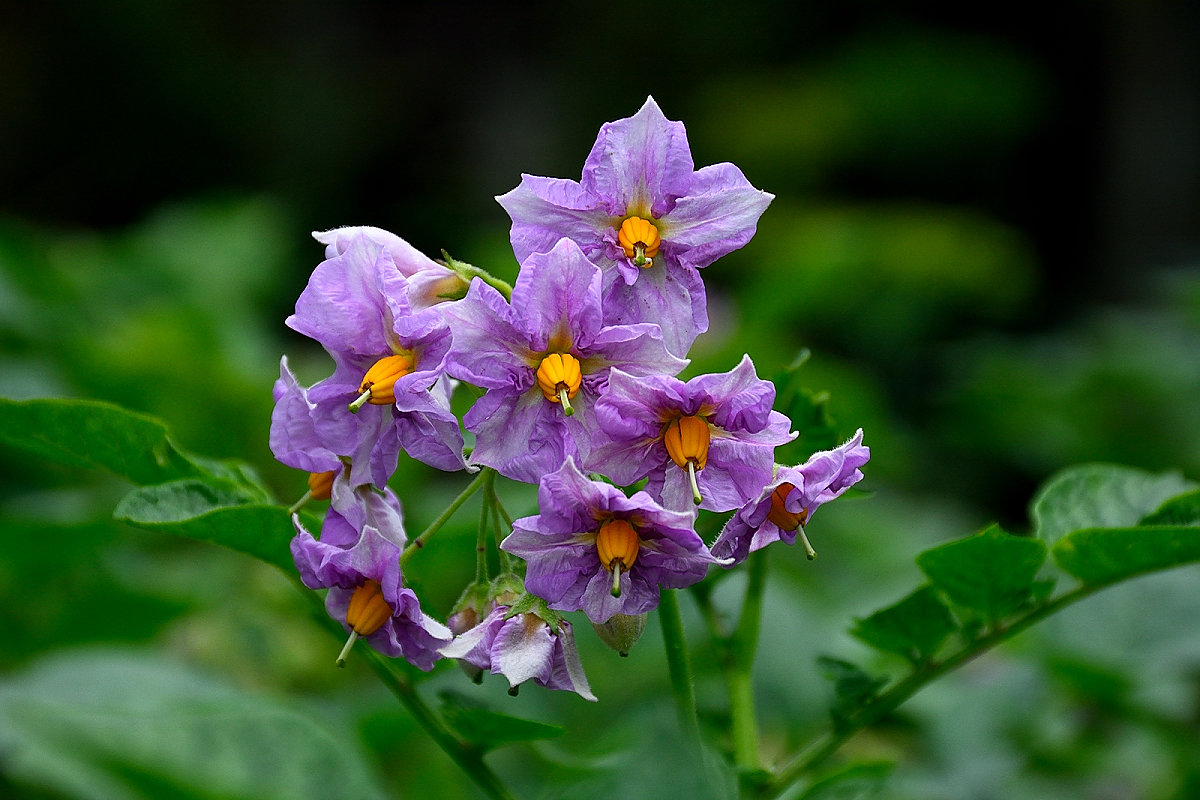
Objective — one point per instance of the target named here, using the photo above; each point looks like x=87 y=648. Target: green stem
x=436 y=525
x=481 y=538
x=678 y=667
x=503 y=527
x=738 y=674
x=889 y=701
x=468 y=757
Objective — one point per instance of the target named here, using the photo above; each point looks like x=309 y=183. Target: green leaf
x=1183 y=509
x=854 y=782
x=127 y=726
x=853 y=688
x=1100 y=556
x=808 y=410
x=915 y=627
x=487 y=729
x=89 y=433
x=993 y=572
x=1100 y=496
x=213 y=513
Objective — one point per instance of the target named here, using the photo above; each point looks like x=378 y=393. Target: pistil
x=687 y=440
x=617 y=544
x=378 y=385
x=559 y=377
x=639 y=239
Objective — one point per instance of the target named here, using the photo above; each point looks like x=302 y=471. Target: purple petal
x=544 y=210
x=719 y=215
x=639 y=164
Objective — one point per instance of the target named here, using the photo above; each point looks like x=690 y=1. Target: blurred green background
x=985 y=229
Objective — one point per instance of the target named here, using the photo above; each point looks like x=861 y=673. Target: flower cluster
x=574 y=369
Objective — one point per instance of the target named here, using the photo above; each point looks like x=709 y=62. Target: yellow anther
x=378 y=385
x=617 y=544
x=368 y=610
x=687 y=441
x=366 y=614
x=639 y=239
x=786 y=520
x=559 y=377
x=617 y=541
x=320 y=484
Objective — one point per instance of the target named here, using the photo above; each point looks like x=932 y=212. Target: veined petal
x=490 y=347
x=559 y=295
x=641 y=163
x=669 y=295
x=544 y=210
x=343 y=306
x=719 y=215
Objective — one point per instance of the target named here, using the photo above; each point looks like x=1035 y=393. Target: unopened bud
x=621 y=631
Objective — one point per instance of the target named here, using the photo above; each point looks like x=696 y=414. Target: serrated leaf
x=915 y=627
x=854 y=782
x=1100 y=496
x=992 y=573
x=487 y=729
x=212 y=513
x=1182 y=509
x=93 y=434
x=129 y=726
x=1100 y=556
x=853 y=688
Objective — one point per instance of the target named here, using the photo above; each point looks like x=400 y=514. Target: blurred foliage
x=899 y=251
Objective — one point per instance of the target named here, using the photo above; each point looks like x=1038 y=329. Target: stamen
x=687 y=439
x=778 y=514
x=365 y=614
x=696 y=498
x=320 y=484
x=559 y=377
x=378 y=385
x=341 y=659
x=640 y=241
x=617 y=544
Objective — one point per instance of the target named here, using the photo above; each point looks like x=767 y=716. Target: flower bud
x=621 y=631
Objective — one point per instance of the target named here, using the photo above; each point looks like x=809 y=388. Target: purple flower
x=593 y=549
x=710 y=441
x=429 y=282
x=543 y=359
x=387 y=359
x=787 y=503
x=294 y=438
x=647 y=217
x=521 y=646
x=358 y=560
